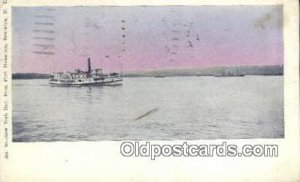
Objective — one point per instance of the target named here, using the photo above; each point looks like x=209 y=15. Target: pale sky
x=61 y=38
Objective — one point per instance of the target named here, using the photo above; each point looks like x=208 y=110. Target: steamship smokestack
x=89 y=66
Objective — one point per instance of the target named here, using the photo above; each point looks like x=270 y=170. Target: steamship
x=82 y=78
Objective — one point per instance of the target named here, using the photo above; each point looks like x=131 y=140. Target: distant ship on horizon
x=230 y=74
x=83 y=78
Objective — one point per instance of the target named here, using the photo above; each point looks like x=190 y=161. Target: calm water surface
x=150 y=109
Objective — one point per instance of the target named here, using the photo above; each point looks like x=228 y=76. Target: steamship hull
x=89 y=82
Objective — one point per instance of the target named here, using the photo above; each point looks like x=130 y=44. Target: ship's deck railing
x=94 y=76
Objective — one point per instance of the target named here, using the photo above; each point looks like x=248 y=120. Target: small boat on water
x=222 y=75
x=84 y=78
x=229 y=74
x=159 y=76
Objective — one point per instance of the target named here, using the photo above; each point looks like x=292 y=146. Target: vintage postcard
x=140 y=91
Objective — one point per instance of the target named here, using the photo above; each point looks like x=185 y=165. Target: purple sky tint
x=155 y=37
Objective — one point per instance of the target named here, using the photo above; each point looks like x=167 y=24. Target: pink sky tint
x=155 y=37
